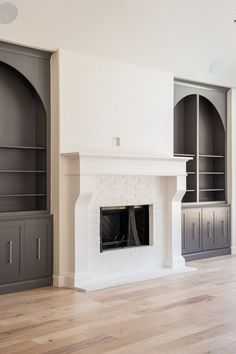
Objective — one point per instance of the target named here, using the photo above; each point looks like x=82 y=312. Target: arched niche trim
x=211 y=129
x=23 y=114
x=215 y=96
x=185 y=125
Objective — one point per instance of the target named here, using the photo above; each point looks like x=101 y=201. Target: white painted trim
x=129 y=165
x=176 y=262
x=58 y=280
x=123 y=156
x=64 y=281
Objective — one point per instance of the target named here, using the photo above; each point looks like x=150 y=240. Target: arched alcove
x=211 y=129
x=23 y=144
x=23 y=116
x=211 y=153
x=199 y=133
x=185 y=123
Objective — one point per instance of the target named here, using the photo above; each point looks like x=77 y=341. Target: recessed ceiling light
x=215 y=67
x=8 y=12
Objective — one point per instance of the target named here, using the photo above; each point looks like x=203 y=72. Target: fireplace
x=150 y=185
x=124 y=226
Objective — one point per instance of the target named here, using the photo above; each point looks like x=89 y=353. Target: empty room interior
x=117 y=177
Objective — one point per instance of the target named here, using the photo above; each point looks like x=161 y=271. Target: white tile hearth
x=115 y=279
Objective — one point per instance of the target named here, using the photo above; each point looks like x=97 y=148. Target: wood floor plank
x=191 y=313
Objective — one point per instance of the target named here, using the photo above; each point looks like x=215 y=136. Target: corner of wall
x=55 y=164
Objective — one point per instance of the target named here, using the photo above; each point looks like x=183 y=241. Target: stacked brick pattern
x=128 y=190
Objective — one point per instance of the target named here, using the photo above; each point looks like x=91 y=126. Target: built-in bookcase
x=199 y=133
x=26 y=232
x=23 y=144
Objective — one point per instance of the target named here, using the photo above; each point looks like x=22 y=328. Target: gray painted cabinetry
x=25 y=253
x=25 y=220
x=205 y=232
x=37 y=248
x=10 y=250
x=200 y=122
x=221 y=231
x=191 y=226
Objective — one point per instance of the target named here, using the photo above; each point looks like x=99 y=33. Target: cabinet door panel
x=10 y=247
x=37 y=247
x=208 y=229
x=192 y=230
x=222 y=227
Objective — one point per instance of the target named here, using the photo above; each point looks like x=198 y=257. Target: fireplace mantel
x=130 y=164
x=120 y=179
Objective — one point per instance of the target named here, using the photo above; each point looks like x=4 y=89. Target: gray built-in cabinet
x=205 y=231
x=25 y=253
x=200 y=122
x=25 y=220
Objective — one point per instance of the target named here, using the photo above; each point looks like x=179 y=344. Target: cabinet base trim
x=25 y=285
x=207 y=254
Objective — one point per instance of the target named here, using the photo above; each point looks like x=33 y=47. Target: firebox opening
x=124 y=226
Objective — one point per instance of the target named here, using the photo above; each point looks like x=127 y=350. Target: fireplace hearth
x=124 y=226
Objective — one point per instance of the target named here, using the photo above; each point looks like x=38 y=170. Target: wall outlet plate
x=116 y=141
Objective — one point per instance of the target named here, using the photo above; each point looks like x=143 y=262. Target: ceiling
x=180 y=36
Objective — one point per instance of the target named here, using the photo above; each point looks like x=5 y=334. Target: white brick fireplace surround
x=92 y=181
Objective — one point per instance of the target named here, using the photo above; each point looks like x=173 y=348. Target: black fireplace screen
x=126 y=226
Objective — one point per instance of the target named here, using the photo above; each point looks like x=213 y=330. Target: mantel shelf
x=129 y=165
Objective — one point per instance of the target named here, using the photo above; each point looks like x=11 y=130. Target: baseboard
x=58 y=281
x=176 y=262
x=25 y=285
x=233 y=250
x=64 y=281
x=207 y=254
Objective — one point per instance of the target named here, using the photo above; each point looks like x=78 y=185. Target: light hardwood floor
x=192 y=313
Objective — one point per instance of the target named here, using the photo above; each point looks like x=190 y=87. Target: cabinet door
x=208 y=235
x=11 y=234
x=191 y=232
x=222 y=227
x=37 y=248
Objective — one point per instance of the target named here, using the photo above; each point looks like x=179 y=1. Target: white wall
x=100 y=99
x=183 y=36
